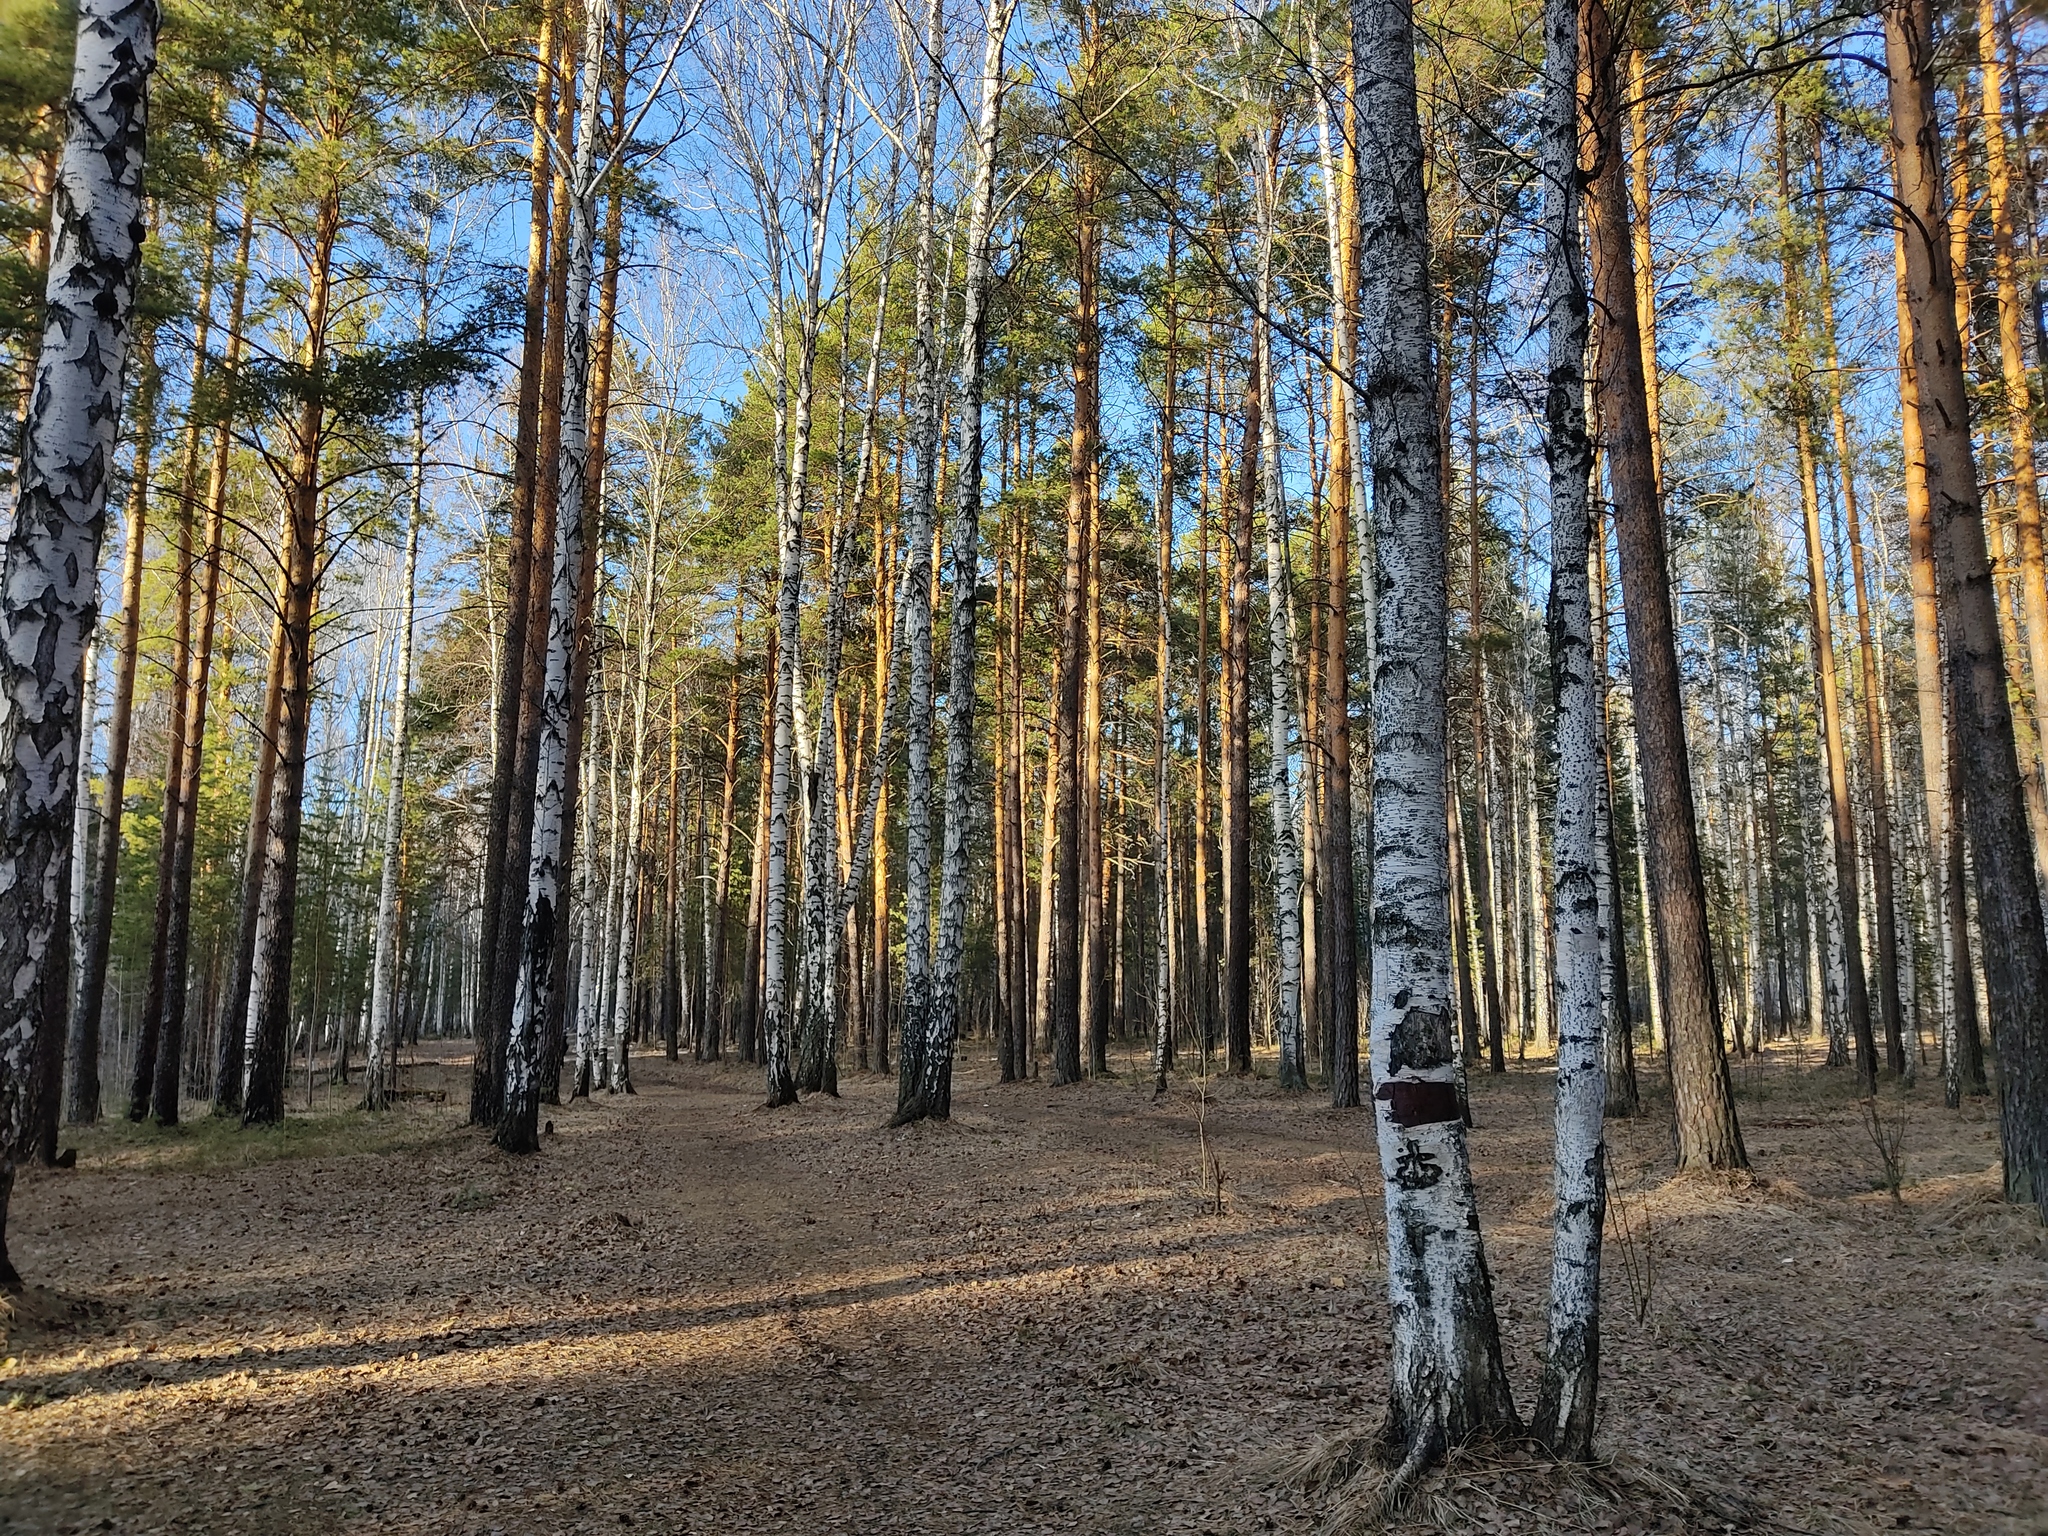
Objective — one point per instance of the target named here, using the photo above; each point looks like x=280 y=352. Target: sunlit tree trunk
x=1708 y=1136
x=380 y=1073
x=49 y=588
x=1240 y=489
x=2019 y=399
x=178 y=939
x=2009 y=900
x=1340 y=925
x=489 y=1022
x=1834 y=752
x=270 y=997
x=159 y=1058
x=1448 y=1384
x=710 y=1043
x=1876 y=731
x=537 y=978
x=932 y=1093
x=84 y=1107
x=1286 y=849
x=1569 y=1395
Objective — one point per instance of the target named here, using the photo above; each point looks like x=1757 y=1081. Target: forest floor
x=689 y=1315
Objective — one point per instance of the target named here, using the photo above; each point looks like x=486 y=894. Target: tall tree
x=1708 y=1136
x=49 y=585
x=1448 y=1383
x=2008 y=895
x=1569 y=1395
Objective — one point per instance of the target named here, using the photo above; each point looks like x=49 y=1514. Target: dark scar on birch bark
x=1422 y=1041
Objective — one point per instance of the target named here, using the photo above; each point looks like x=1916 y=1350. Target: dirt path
x=689 y=1316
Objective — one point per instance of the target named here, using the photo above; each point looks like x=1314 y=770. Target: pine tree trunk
x=488 y=1024
x=2019 y=400
x=159 y=1074
x=1340 y=926
x=84 y=1108
x=1448 y=1382
x=2009 y=900
x=267 y=1037
x=1708 y=1137
x=1848 y=896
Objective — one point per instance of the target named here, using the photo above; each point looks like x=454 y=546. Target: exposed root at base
x=1473 y=1486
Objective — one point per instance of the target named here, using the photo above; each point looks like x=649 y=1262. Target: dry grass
x=690 y=1315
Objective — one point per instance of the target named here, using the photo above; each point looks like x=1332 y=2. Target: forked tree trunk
x=487 y=1066
x=1708 y=1136
x=2008 y=895
x=1448 y=1383
x=932 y=1092
x=537 y=979
x=1568 y=1398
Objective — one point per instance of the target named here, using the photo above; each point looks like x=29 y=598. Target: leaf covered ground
x=690 y=1315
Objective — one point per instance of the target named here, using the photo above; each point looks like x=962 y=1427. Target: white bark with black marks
x=49 y=591
x=1448 y=1382
x=379 y=1075
x=1568 y=1397
x=932 y=1091
x=536 y=982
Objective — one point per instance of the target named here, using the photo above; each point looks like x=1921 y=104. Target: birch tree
x=1448 y=1383
x=49 y=586
x=931 y=1092
x=1567 y=1399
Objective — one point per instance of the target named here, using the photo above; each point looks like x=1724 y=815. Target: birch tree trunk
x=49 y=588
x=621 y=1077
x=380 y=1075
x=1448 y=1383
x=921 y=522
x=1567 y=1400
x=534 y=986
x=1280 y=670
x=932 y=1092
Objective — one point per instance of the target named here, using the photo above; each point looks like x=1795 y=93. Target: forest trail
x=688 y=1315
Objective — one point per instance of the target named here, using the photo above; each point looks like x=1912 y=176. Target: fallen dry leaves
x=688 y=1315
